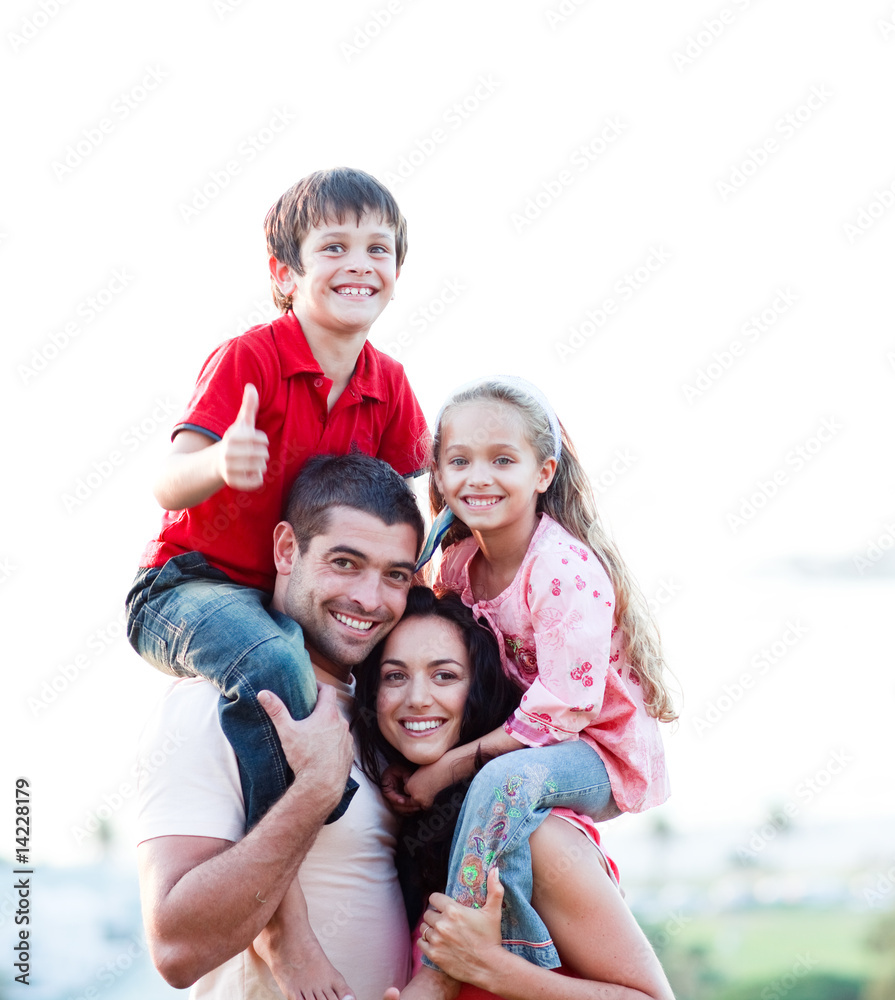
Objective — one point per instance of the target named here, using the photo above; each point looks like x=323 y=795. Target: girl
x=435 y=681
x=529 y=556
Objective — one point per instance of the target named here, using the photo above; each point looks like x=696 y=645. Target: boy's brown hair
x=326 y=194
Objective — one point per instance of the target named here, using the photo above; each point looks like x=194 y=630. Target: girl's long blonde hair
x=569 y=501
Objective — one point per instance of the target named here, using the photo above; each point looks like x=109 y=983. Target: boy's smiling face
x=350 y=272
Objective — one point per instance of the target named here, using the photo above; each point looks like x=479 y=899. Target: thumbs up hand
x=243 y=453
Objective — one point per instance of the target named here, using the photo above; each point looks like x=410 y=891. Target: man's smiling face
x=348 y=589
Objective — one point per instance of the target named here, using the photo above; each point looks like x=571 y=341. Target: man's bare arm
x=204 y=899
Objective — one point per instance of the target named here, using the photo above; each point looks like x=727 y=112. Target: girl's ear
x=548 y=471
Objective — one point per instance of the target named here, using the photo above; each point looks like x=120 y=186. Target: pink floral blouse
x=554 y=624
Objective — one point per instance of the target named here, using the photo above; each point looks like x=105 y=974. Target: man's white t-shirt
x=189 y=786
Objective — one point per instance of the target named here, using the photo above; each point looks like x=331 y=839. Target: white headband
x=444 y=520
x=523 y=386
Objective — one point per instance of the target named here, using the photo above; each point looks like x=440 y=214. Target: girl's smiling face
x=424 y=681
x=488 y=471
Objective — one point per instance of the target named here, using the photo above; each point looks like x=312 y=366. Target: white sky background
x=533 y=88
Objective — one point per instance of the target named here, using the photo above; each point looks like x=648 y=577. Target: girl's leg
x=192 y=621
x=508 y=799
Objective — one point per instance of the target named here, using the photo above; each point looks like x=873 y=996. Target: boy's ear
x=282 y=275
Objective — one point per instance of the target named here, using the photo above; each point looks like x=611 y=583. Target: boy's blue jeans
x=507 y=801
x=189 y=619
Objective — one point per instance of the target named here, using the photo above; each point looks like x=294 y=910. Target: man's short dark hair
x=357 y=481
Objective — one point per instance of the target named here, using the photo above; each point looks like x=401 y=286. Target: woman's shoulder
x=589 y=828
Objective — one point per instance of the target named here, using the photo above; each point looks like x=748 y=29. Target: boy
x=266 y=401
x=305 y=384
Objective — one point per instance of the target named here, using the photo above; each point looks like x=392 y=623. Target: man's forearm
x=215 y=910
x=206 y=899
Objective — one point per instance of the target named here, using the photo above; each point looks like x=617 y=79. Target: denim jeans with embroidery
x=508 y=800
x=189 y=619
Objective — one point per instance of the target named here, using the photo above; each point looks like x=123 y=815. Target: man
x=344 y=559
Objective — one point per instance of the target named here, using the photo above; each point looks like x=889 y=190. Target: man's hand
x=243 y=449
x=462 y=940
x=319 y=749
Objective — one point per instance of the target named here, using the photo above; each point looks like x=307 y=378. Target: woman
x=435 y=683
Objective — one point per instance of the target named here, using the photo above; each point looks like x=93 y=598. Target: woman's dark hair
x=426 y=836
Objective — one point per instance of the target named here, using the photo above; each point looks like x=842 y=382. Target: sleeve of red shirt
x=405 y=443
x=217 y=397
x=571 y=603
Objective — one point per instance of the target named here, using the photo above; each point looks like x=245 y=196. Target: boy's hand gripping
x=243 y=454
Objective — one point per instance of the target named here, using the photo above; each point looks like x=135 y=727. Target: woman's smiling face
x=424 y=680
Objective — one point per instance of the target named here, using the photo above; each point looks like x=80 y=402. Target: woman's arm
x=594 y=931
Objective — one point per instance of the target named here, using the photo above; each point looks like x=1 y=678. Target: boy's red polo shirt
x=377 y=414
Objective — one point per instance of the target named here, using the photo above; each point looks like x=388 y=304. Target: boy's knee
x=275 y=665
x=504 y=772
x=507 y=763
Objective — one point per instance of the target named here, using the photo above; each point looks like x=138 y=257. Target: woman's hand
x=462 y=941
